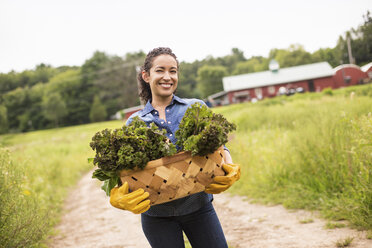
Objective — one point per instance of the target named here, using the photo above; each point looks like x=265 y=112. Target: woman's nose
x=166 y=76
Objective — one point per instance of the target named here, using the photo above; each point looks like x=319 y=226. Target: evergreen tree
x=210 y=79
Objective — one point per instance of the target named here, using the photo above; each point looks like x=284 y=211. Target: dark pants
x=202 y=228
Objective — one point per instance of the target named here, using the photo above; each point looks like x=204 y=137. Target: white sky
x=68 y=32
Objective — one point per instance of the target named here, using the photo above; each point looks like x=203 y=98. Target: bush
x=21 y=225
x=36 y=178
x=328 y=91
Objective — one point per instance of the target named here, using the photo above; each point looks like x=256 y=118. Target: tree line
x=48 y=97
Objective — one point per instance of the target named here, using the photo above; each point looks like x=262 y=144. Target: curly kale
x=201 y=131
x=129 y=147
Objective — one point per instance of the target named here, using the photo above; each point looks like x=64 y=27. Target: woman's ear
x=145 y=76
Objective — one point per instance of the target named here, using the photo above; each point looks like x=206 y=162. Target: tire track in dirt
x=90 y=221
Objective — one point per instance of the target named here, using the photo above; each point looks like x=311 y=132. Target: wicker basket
x=176 y=176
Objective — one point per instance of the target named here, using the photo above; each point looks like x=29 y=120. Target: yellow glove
x=222 y=183
x=134 y=201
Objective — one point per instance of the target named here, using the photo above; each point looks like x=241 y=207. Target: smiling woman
x=194 y=215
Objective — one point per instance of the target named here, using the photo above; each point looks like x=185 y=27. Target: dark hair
x=144 y=88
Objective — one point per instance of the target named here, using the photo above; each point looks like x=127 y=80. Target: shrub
x=328 y=91
x=36 y=178
x=20 y=223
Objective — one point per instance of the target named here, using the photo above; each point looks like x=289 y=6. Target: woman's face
x=163 y=77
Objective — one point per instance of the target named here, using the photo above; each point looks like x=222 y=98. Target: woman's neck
x=159 y=103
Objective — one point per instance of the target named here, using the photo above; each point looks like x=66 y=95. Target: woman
x=194 y=215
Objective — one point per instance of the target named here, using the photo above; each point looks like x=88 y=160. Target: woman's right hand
x=135 y=201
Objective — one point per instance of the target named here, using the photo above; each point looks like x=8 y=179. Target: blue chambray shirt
x=174 y=113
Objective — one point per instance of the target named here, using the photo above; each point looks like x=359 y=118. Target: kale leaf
x=129 y=147
x=201 y=131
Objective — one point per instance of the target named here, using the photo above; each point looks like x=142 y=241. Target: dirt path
x=90 y=221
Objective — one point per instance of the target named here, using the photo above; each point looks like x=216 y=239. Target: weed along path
x=90 y=221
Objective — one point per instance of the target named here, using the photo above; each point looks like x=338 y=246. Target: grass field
x=311 y=151
x=36 y=171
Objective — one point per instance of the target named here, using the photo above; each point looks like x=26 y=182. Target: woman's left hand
x=222 y=183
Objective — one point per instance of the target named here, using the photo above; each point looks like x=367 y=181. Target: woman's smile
x=166 y=85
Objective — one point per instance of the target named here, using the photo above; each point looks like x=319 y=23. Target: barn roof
x=366 y=67
x=343 y=66
x=284 y=75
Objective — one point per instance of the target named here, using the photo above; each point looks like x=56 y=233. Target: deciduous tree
x=54 y=107
x=97 y=111
x=3 y=119
x=210 y=79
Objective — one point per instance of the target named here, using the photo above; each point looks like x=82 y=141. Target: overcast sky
x=68 y=32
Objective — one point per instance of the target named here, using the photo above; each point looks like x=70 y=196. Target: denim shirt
x=174 y=113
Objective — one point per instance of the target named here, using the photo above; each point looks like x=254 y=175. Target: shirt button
x=169 y=122
x=162 y=122
x=167 y=110
x=156 y=112
x=170 y=135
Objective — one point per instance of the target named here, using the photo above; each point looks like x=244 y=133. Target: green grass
x=310 y=151
x=344 y=242
x=306 y=221
x=20 y=226
x=37 y=170
x=334 y=225
x=369 y=234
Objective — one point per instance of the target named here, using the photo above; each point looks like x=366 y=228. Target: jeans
x=202 y=228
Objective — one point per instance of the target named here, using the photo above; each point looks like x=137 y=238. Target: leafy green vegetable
x=129 y=147
x=110 y=184
x=201 y=131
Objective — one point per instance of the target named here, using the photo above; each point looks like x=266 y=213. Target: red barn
x=310 y=77
x=125 y=113
x=367 y=69
x=347 y=75
x=258 y=85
